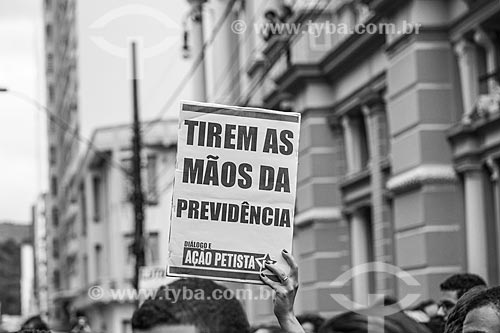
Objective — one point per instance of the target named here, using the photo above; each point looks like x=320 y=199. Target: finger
x=278 y=272
x=294 y=268
x=269 y=282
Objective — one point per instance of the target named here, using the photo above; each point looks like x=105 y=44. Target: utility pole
x=137 y=195
x=197 y=38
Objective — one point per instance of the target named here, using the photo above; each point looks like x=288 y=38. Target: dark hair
x=209 y=315
x=314 y=319
x=79 y=313
x=35 y=323
x=462 y=283
x=486 y=297
x=454 y=323
x=357 y=322
x=153 y=313
x=346 y=322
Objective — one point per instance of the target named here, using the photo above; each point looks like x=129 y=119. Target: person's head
x=310 y=322
x=483 y=312
x=154 y=316
x=350 y=322
x=455 y=287
x=192 y=302
x=346 y=322
x=457 y=316
x=34 y=324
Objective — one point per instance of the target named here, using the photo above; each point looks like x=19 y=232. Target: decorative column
x=375 y=118
x=467 y=62
x=360 y=254
x=492 y=164
x=352 y=143
x=475 y=222
x=483 y=39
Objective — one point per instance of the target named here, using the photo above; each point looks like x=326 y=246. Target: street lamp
x=53 y=118
x=28 y=99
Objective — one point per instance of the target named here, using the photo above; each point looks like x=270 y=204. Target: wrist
x=290 y=323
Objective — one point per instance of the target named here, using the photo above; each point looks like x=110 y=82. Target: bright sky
x=21 y=124
x=103 y=82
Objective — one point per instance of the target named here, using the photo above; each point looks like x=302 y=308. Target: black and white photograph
x=249 y=166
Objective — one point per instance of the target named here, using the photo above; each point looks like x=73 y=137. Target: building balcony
x=487 y=106
x=294 y=60
x=356 y=186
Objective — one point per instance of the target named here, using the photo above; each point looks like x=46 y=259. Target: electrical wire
x=244 y=66
x=251 y=92
x=189 y=75
x=67 y=128
x=291 y=39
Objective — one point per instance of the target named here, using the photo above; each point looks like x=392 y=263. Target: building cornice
x=352 y=50
x=293 y=77
x=376 y=85
x=473 y=143
x=318 y=213
x=426 y=34
x=298 y=74
x=469 y=21
x=422 y=175
x=355 y=189
x=338 y=61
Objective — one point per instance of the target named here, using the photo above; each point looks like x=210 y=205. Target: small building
x=15 y=284
x=92 y=244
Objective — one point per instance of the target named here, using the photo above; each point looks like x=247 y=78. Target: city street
x=250 y=166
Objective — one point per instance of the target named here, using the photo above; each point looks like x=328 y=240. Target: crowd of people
x=466 y=305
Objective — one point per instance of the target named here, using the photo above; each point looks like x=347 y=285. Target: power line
x=243 y=67
x=189 y=75
x=199 y=59
x=287 y=44
x=311 y=13
x=67 y=128
x=233 y=54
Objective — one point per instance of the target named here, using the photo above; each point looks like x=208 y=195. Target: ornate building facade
x=399 y=141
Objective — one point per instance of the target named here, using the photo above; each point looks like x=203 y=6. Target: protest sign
x=234 y=191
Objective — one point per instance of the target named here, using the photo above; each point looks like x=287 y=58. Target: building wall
x=377 y=164
x=321 y=234
x=107 y=260
x=27 y=281
x=384 y=175
x=12 y=238
x=40 y=292
x=87 y=87
x=422 y=105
